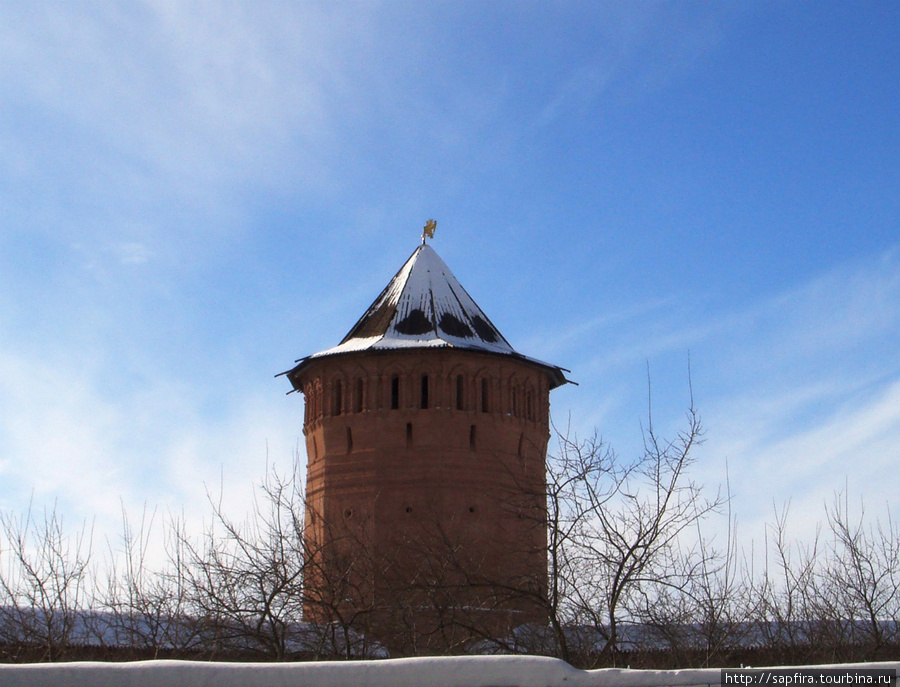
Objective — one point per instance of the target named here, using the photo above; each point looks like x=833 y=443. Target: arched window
x=395 y=392
x=338 y=398
x=359 y=395
x=424 y=399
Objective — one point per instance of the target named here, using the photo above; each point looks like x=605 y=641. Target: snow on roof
x=425 y=306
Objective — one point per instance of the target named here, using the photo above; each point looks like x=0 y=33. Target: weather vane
x=430 y=226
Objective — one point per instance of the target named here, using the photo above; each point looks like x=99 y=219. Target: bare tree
x=702 y=609
x=146 y=609
x=44 y=592
x=339 y=579
x=581 y=478
x=630 y=531
x=790 y=615
x=246 y=578
x=864 y=573
x=834 y=601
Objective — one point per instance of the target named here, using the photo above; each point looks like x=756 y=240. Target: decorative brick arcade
x=426 y=436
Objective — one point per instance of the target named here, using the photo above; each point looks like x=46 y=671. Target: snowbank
x=468 y=671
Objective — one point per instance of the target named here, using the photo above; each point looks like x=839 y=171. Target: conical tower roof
x=425 y=306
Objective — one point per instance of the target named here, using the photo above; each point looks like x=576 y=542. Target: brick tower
x=426 y=436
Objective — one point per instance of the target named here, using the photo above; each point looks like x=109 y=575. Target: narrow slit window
x=359 y=395
x=349 y=440
x=338 y=397
x=424 y=403
x=460 y=393
x=472 y=437
x=485 y=400
x=395 y=392
x=408 y=434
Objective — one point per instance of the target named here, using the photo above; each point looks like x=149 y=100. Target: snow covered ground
x=468 y=671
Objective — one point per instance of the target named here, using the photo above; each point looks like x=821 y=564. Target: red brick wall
x=446 y=495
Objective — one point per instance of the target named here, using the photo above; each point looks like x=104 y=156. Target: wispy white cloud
x=635 y=50
x=165 y=106
x=132 y=253
x=58 y=437
x=808 y=398
x=64 y=438
x=855 y=446
x=799 y=391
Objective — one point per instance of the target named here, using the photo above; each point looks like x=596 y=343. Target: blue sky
x=193 y=195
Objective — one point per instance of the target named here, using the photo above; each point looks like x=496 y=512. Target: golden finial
x=430 y=226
